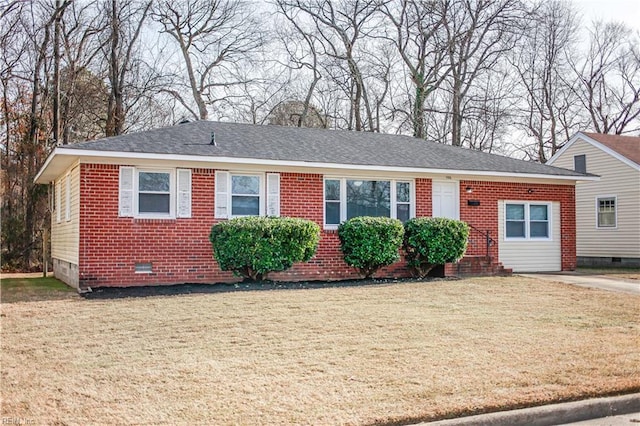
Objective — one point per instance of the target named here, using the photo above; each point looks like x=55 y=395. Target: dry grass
x=360 y=355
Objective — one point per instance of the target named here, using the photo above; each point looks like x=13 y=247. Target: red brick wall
x=180 y=251
x=485 y=216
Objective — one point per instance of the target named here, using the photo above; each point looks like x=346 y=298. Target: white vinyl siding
x=616 y=178
x=65 y=234
x=531 y=254
x=67 y=194
x=58 y=188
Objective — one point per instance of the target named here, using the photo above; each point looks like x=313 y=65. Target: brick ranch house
x=137 y=209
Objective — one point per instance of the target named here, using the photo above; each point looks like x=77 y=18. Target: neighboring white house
x=608 y=210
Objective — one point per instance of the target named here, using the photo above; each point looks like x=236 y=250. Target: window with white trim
x=246 y=195
x=527 y=220
x=606 y=212
x=154 y=193
x=345 y=198
x=240 y=194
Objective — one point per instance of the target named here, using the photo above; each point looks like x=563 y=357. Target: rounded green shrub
x=252 y=247
x=431 y=241
x=369 y=243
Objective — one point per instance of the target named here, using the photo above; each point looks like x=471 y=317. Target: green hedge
x=252 y=247
x=430 y=241
x=369 y=243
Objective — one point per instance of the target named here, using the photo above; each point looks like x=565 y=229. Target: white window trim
x=615 y=212
x=172 y=194
x=262 y=199
x=527 y=220
x=343 y=197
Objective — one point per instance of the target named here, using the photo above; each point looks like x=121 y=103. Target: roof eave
x=596 y=144
x=48 y=171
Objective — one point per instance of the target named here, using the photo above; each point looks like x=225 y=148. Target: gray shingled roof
x=279 y=143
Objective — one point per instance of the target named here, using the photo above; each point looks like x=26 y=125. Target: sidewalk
x=602 y=282
x=592 y=412
x=24 y=275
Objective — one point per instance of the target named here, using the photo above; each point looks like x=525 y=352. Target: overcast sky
x=627 y=11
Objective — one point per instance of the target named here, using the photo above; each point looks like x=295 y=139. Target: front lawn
x=34 y=289
x=355 y=355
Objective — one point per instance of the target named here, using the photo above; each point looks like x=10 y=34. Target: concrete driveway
x=602 y=282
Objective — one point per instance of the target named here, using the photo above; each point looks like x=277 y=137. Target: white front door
x=445 y=200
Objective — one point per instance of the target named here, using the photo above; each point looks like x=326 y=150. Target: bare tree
x=301 y=46
x=479 y=34
x=215 y=38
x=340 y=27
x=609 y=78
x=416 y=33
x=83 y=102
x=549 y=111
x=126 y=21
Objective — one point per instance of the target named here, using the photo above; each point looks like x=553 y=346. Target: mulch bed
x=180 y=289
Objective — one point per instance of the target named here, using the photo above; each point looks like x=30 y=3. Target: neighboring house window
x=151 y=193
x=348 y=198
x=606 y=212
x=527 y=220
x=580 y=163
x=67 y=207
x=246 y=194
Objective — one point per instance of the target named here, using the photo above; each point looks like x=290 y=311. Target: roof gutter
x=80 y=153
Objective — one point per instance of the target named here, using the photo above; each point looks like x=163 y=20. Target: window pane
x=245 y=205
x=153 y=203
x=245 y=185
x=152 y=181
x=332 y=210
x=332 y=190
x=515 y=229
x=580 y=163
x=606 y=212
x=606 y=219
x=537 y=212
x=402 y=192
x=368 y=198
x=539 y=229
x=403 y=212
x=515 y=211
